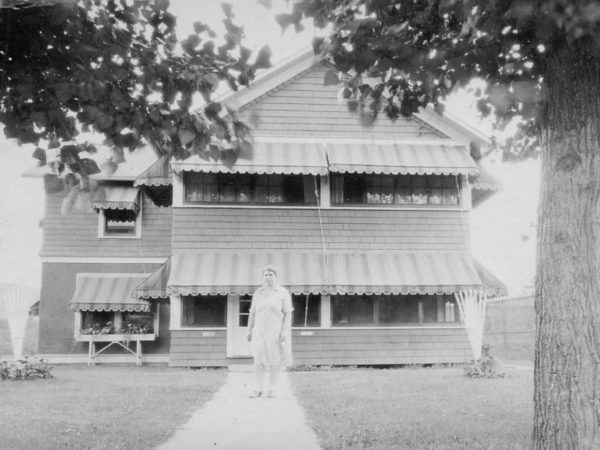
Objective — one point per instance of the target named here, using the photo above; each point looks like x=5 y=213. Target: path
x=232 y=420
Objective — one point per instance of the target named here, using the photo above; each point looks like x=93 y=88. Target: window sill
x=336 y=207
x=119 y=237
x=115 y=337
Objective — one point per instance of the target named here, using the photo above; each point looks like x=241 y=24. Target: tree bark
x=567 y=356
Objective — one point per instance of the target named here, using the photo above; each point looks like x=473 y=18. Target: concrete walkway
x=232 y=420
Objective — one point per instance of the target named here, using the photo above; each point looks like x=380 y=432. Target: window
x=119 y=223
x=348 y=310
x=390 y=310
x=307 y=310
x=204 y=310
x=250 y=189
x=363 y=189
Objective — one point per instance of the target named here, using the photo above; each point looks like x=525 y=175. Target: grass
x=428 y=408
x=102 y=407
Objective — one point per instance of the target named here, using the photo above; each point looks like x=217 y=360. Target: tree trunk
x=567 y=356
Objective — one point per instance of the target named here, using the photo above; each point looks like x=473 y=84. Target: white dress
x=268 y=307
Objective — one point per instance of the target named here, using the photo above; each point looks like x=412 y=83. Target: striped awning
x=413 y=159
x=265 y=158
x=116 y=197
x=158 y=174
x=314 y=273
x=485 y=181
x=156 y=285
x=101 y=292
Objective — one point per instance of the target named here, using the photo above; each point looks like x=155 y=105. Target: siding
x=381 y=346
x=305 y=108
x=191 y=348
x=76 y=234
x=297 y=229
x=57 y=319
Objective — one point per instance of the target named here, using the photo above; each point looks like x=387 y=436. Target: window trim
x=396 y=204
x=249 y=204
x=102 y=227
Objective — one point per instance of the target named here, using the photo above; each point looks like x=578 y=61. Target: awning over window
x=266 y=158
x=98 y=292
x=304 y=273
x=485 y=180
x=155 y=286
x=158 y=174
x=241 y=273
x=116 y=197
x=413 y=159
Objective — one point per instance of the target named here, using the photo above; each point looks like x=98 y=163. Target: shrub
x=25 y=369
x=484 y=367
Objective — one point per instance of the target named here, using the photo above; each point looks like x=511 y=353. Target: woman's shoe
x=255 y=394
x=271 y=394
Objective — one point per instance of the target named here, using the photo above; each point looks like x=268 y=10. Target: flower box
x=115 y=337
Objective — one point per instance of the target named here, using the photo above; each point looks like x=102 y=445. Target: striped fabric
x=158 y=174
x=315 y=273
x=417 y=159
x=97 y=292
x=155 y=286
x=116 y=197
x=485 y=181
x=266 y=158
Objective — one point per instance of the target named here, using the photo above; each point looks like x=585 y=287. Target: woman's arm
x=286 y=325
x=251 y=321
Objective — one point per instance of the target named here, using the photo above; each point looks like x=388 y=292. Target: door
x=237 y=326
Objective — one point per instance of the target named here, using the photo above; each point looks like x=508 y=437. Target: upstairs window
x=247 y=189
x=399 y=190
x=119 y=211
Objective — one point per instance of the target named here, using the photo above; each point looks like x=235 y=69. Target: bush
x=484 y=367
x=25 y=369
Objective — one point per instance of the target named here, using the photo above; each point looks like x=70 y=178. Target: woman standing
x=269 y=330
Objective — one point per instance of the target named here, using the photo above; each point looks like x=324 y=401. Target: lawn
x=426 y=408
x=102 y=407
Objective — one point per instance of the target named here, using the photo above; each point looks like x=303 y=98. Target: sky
x=502 y=228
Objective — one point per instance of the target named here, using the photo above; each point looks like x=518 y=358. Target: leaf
x=190 y=44
x=89 y=166
x=317 y=44
x=40 y=154
x=331 y=78
x=185 y=136
x=227 y=9
x=109 y=167
x=53 y=184
x=212 y=110
x=284 y=20
x=263 y=58
x=229 y=157
x=199 y=27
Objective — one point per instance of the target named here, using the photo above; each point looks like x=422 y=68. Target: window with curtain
x=251 y=189
x=387 y=190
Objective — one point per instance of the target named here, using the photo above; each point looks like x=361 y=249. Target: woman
x=269 y=330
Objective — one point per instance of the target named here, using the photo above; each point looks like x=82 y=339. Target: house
x=368 y=227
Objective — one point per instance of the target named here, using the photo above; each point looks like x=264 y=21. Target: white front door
x=238 y=312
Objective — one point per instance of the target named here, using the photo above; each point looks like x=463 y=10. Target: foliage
x=484 y=367
x=118 y=68
x=28 y=368
x=126 y=328
x=396 y=56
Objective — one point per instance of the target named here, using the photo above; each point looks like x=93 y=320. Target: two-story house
x=368 y=228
